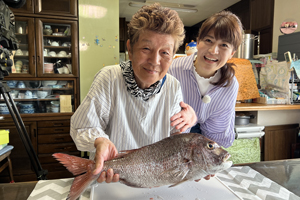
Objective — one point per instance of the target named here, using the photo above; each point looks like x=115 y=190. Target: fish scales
x=171 y=161
x=145 y=167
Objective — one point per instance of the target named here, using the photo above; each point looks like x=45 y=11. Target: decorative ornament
x=206 y=99
x=190 y=48
x=97 y=41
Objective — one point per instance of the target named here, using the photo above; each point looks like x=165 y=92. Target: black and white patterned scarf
x=132 y=86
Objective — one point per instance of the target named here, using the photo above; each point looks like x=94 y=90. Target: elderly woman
x=135 y=103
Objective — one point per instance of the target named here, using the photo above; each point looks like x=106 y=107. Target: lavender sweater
x=217 y=117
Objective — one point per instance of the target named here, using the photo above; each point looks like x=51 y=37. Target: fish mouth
x=227 y=156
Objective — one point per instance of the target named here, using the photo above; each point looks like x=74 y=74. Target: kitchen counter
x=284 y=172
x=260 y=106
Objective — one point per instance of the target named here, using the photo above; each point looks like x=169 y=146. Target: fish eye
x=210 y=146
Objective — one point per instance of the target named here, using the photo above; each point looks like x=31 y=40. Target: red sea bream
x=171 y=161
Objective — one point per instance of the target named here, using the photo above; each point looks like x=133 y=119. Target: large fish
x=171 y=161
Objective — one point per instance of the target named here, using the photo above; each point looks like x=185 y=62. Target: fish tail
x=77 y=166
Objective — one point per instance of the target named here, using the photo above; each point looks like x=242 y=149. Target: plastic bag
x=274 y=79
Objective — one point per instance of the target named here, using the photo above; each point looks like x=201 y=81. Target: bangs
x=225 y=33
x=223 y=29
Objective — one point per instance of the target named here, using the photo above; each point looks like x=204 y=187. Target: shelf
x=57 y=36
x=41 y=89
x=35 y=99
x=57 y=57
x=259 y=107
x=56 y=47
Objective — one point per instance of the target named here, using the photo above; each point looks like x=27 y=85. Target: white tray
x=203 y=190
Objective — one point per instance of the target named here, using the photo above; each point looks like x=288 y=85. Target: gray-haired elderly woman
x=135 y=103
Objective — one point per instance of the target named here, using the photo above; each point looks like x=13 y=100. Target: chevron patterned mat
x=246 y=182
x=251 y=185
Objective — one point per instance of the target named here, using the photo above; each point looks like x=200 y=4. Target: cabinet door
x=24 y=58
x=261 y=14
x=22 y=168
x=28 y=7
x=56 y=7
x=278 y=141
x=57 y=48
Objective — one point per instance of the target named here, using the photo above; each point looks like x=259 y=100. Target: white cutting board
x=203 y=190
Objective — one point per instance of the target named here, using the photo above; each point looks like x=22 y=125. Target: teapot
x=54 y=43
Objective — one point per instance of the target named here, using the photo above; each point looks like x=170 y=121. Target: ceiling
x=205 y=9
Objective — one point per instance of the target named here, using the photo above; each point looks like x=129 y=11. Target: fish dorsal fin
x=182 y=181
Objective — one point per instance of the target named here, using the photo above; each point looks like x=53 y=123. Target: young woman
x=208 y=82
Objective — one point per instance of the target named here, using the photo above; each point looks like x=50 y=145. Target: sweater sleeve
x=92 y=116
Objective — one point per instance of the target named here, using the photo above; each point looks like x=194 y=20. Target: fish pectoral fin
x=182 y=181
x=178 y=171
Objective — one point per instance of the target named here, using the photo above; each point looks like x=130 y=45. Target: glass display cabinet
x=41 y=96
x=44 y=83
x=50 y=51
x=66 y=8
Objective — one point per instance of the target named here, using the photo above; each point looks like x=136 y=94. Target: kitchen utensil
x=243 y=119
x=48 y=83
x=63 y=53
x=246 y=49
x=12 y=84
x=28 y=94
x=19 y=52
x=47 y=31
x=52 y=54
x=21 y=84
x=48 y=68
x=54 y=43
x=42 y=94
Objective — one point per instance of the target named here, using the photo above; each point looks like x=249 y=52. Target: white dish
x=211 y=189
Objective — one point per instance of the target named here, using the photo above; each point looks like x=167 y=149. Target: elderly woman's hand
x=105 y=150
x=185 y=119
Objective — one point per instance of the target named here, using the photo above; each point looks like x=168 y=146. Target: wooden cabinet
x=21 y=165
x=54 y=137
x=45 y=71
x=65 y=8
x=38 y=49
x=123 y=34
x=262 y=14
x=278 y=140
x=48 y=134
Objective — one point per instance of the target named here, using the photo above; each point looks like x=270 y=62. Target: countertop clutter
x=262 y=180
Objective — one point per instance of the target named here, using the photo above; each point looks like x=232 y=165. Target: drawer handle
x=63 y=148
x=59 y=139
x=58 y=124
x=58 y=129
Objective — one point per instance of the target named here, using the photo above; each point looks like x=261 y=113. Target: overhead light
x=174 y=6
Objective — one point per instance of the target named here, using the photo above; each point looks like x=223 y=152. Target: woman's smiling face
x=151 y=57
x=212 y=54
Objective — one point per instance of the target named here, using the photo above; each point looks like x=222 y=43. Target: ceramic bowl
x=12 y=84
x=26 y=105
x=21 y=84
x=42 y=94
x=54 y=109
x=27 y=110
x=55 y=103
x=35 y=84
x=52 y=54
x=3 y=109
x=48 y=83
